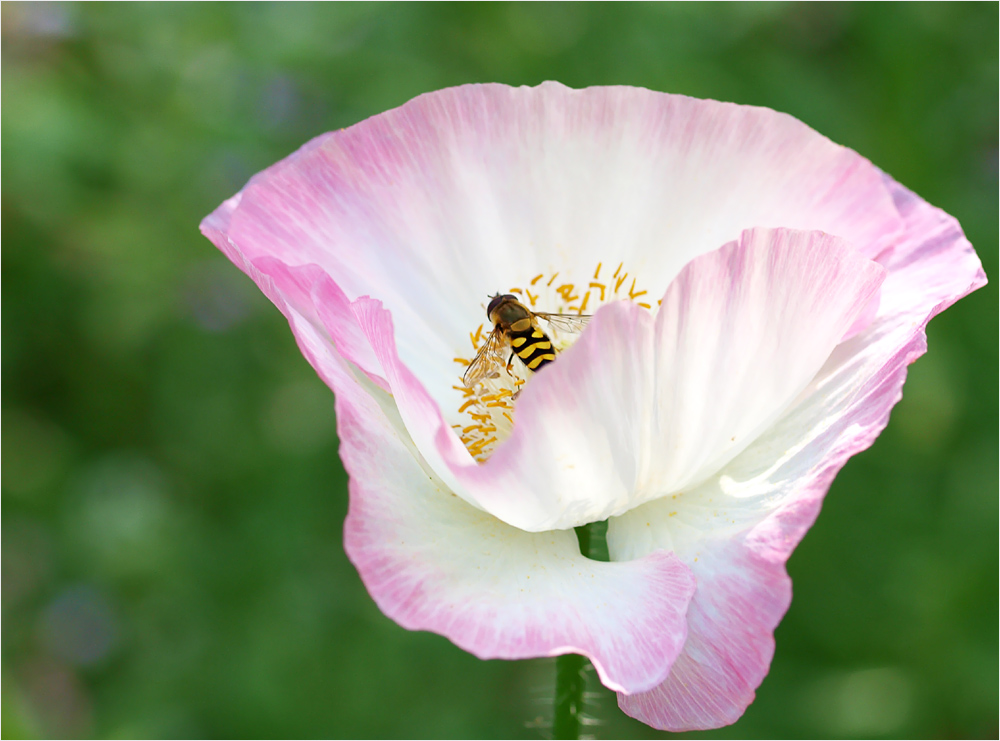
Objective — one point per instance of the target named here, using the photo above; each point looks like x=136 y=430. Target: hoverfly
x=516 y=332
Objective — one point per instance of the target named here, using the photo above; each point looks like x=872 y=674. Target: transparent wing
x=491 y=358
x=565 y=325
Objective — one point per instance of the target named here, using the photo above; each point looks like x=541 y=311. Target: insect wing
x=491 y=357
x=565 y=325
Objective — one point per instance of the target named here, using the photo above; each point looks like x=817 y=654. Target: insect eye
x=496 y=301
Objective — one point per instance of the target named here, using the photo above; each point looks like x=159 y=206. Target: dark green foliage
x=172 y=495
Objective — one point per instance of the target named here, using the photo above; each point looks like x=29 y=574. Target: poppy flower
x=755 y=294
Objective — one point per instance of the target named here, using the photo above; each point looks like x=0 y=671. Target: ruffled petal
x=741 y=597
x=432 y=562
x=737 y=531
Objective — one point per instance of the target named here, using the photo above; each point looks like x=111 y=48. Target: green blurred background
x=172 y=495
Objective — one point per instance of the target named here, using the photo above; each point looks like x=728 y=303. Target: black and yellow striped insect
x=517 y=332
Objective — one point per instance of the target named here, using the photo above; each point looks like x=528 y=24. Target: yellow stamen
x=597 y=272
x=552 y=278
x=462 y=361
x=566 y=291
x=537 y=278
x=476 y=337
x=631 y=291
x=599 y=285
x=617 y=270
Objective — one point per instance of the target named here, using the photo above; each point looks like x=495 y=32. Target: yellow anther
x=461 y=361
x=552 y=279
x=466 y=405
x=500 y=403
x=631 y=291
x=515 y=290
x=620 y=281
x=644 y=305
x=532 y=297
x=476 y=337
x=597 y=272
x=470 y=428
x=599 y=285
x=583 y=304
x=477 y=447
x=466 y=391
x=537 y=278
x=566 y=291
x=618 y=270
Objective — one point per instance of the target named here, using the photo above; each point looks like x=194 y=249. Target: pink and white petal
x=741 y=597
x=743 y=592
x=433 y=206
x=432 y=562
x=763 y=502
x=847 y=404
x=637 y=409
x=740 y=334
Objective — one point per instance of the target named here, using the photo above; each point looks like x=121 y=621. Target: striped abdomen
x=530 y=344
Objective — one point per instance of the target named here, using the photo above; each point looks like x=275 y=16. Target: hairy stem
x=571 y=681
x=570 y=684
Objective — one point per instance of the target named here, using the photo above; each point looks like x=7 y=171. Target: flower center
x=507 y=355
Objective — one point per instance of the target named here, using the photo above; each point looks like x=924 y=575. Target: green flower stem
x=571 y=682
x=570 y=685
